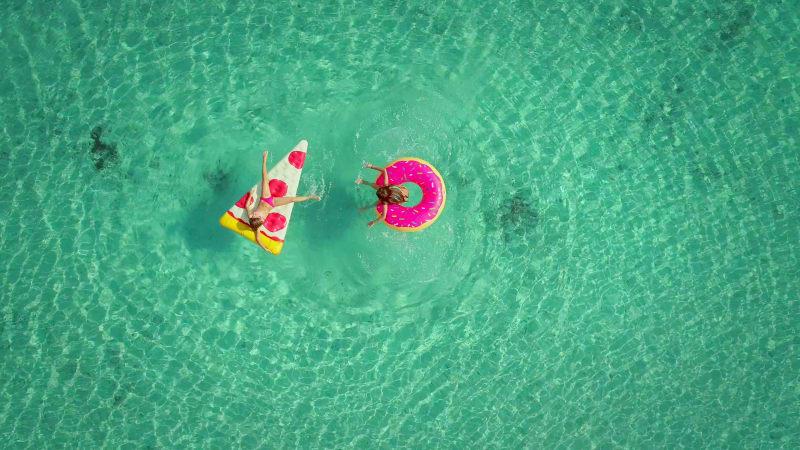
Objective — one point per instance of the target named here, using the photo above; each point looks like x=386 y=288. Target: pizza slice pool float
x=284 y=178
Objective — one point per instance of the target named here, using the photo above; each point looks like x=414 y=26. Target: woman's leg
x=264 y=177
x=280 y=201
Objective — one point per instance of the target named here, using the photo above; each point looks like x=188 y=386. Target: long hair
x=390 y=194
x=256 y=222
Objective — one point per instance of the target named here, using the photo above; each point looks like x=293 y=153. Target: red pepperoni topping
x=277 y=188
x=297 y=159
x=274 y=222
x=242 y=203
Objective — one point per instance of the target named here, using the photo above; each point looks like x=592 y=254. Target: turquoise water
x=616 y=265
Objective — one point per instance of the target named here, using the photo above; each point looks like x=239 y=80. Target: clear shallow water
x=616 y=265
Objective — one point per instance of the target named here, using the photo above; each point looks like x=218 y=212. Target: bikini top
x=268 y=200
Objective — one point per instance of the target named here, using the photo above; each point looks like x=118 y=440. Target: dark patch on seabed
x=664 y=110
x=732 y=21
x=735 y=26
x=218 y=178
x=517 y=216
x=104 y=154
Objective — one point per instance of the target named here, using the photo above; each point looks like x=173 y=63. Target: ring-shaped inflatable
x=424 y=175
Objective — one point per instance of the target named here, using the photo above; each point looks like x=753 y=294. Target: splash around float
x=284 y=178
x=434 y=195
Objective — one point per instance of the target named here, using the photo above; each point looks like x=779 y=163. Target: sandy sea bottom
x=616 y=265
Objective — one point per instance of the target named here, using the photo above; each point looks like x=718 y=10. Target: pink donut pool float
x=424 y=175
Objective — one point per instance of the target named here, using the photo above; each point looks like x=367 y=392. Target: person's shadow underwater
x=201 y=227
x=339 y=213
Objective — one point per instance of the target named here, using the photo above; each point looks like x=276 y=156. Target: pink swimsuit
x=268 y=200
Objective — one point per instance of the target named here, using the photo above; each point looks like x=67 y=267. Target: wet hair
x=256 y=222
x=390 y=194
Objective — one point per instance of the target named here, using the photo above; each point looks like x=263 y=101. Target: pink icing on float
x=424 y=175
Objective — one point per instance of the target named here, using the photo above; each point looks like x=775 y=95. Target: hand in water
x=359 y=181
x=368 y=165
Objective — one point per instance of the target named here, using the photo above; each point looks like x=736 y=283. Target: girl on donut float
x=258 y=210
x=388 y=194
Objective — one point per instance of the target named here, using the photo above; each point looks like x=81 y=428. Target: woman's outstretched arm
x=379 y=219
x=258 y=240
x=381 y=170
x=252 y=203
